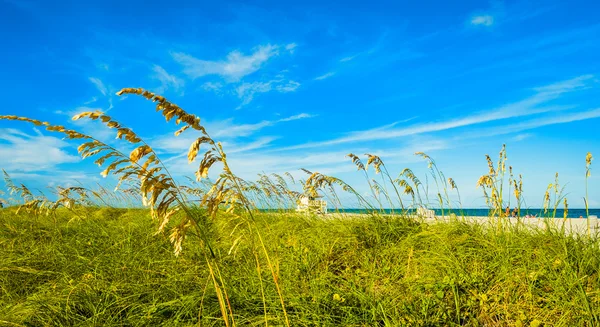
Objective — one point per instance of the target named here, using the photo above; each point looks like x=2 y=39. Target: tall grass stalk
x=588 y=173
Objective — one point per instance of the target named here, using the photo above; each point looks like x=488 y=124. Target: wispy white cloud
x=296 y=117
x=484 y=20
x=227 y=129
x=92 y=100
x=349 y=58
x=103 y=66
x=289 y=86
x=32 y=152
x=376 y=47
x=255 y=145
x=57 y=177
x=215 y=87
x=521 y=137
x=493 y=15
x=546 y=121
x=99 y=85
x=520 y=128
x=104 y=90
x=529 y=106
x=324 y=76
x=566 y=86
x=247 y=91
x=233 y=68
x=221 y=130
x=291 y=47
x=167 y=80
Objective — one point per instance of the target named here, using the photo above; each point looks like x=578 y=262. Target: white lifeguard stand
x=426 y=213
x=310 y=204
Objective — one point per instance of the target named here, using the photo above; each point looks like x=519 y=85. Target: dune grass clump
x=384 y=271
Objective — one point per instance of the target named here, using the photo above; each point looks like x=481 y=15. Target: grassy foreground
x=110 y=270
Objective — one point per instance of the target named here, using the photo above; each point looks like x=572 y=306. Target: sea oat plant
x=380 y=167
x=438 y=177
x=492 y=184
x=361 y=167
x=588 y=173
x=159 y=191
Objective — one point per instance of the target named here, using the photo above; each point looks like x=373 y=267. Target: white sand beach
x=571 y=225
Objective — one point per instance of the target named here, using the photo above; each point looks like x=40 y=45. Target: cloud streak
x=247 y=91
x=30 y=153
x=483 y=20
x=291 y=47
x=220 y=130
x=234 y=67
x=99 y=85
x=167 y=80
x=547 y=121
x=349 y=58
x=324 y=76
x=526 y=107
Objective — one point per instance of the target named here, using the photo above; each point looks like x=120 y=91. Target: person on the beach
x=507 y=211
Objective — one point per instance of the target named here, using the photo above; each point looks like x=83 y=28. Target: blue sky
x=301 y=84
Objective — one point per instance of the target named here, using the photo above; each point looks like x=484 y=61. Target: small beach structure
x=311 y=204
x=426 y=213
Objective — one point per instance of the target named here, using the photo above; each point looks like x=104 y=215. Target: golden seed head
x=492 y=171
x=452 y=183
x=408 y=190
x=588 y=163
x=356 y=160
x=375 y=161
x=484 y=181
x=422 y=154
